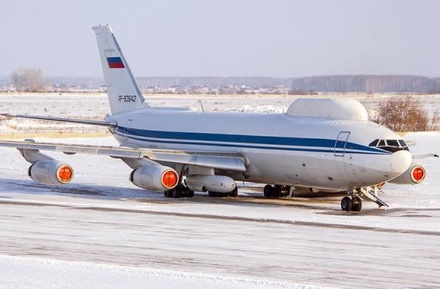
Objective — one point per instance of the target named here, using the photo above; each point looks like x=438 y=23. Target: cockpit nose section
x=400 y=158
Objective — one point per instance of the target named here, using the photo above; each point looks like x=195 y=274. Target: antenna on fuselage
x=201 y=105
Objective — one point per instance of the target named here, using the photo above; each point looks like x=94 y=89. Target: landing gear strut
x=353 y=202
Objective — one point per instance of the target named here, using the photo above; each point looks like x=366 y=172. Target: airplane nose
x=400 y=161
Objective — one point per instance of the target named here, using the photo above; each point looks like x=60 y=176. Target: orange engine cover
x=155 y=178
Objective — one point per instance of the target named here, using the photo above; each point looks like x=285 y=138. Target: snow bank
x=35 y=273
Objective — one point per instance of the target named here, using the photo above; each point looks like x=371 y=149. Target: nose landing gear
x=353 y=202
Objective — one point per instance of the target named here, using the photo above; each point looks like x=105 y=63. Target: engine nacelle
x=212 y=183
x=155 y=178
x=415 y=174
x=51 y=172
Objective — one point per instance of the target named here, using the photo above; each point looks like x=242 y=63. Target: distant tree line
x=32 y=79
x=330 y=83
x=369 y=83
x=26 y=79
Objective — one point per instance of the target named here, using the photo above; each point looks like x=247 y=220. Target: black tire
x=174 y=193
x=213 y=194
x=189 y=193
x=269 y=191
x=171 y=193
x=234 y=193
x=356 y=204
x=277 y=191
x=346 y=204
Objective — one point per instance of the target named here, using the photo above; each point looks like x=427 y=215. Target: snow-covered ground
x=95 y=106
x=100 y=231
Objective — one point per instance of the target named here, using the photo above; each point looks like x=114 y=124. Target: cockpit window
x=374 y=143
x=402 y=143
x=391 y=145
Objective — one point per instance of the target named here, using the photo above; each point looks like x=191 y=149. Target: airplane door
x=127 y=126
x=341 y=143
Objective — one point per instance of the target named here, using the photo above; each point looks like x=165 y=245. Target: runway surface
x=164 y=236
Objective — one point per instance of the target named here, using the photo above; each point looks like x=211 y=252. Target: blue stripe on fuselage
x=245 y=141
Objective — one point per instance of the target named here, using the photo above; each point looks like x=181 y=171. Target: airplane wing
x=220 y=161
x=422 y=156
x=61 y=119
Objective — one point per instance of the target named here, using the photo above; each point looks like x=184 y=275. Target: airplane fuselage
x=278 y=148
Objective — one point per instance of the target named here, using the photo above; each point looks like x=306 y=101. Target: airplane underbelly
x=302 y=169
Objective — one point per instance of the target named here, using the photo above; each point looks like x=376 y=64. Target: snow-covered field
x=95 y=106
x=100 y=231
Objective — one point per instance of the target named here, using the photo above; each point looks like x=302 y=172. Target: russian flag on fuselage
x=115 y=62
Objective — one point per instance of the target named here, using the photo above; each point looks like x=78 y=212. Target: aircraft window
x=374 y=143
x=402 y=143
x=391 y=145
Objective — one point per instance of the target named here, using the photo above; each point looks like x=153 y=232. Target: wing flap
x=232 y=162
x=221 y=161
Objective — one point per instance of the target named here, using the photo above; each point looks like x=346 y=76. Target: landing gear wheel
x=275 y=192
x=189 y=193
x=180 y=191
x=346 y=204
x=214 y=194
x=173 y=193
x=269 y=191
x=356 y=204
x=234 y=193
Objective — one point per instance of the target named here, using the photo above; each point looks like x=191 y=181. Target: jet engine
x=212 y=183
x=51 y=172
x=415 y=174
x=155 y=178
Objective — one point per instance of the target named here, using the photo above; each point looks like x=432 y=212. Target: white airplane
x=326 y=145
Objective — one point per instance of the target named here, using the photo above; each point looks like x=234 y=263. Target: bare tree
x=28 y=79
x=405 y=113
x=435 y=119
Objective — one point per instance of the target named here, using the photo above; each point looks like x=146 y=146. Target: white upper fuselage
x=310 y=152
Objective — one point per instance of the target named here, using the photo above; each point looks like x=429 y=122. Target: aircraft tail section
x=123 y=92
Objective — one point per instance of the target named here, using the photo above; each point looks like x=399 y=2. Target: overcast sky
x=278 y=38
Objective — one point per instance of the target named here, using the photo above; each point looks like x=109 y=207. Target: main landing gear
x=232 y=194
x=180 y=191
x=276 y=191
x=351 y=203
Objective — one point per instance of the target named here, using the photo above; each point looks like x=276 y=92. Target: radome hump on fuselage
x=328 y=108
